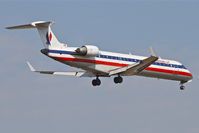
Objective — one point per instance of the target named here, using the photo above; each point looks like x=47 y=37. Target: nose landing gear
x=182 y=87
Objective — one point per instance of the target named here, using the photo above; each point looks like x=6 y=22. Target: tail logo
x=48 y=38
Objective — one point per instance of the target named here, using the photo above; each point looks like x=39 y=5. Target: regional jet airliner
x=96 y=63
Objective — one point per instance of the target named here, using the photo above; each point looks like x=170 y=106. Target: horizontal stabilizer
x=32 y=25
x=48 y=38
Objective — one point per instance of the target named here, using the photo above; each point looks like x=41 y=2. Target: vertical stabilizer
x=44 y=28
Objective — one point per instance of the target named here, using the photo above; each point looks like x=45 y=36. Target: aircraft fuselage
x=103 y=63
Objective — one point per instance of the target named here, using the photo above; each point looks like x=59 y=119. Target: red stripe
x=91 y=61
x=168 y=71
x=121 y=65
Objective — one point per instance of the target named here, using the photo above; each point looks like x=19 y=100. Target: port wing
x=136 y=68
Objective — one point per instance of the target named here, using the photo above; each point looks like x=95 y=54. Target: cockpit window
x=184 y=67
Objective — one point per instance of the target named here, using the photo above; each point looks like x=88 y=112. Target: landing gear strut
x=118 y=79
x=96 y=82
x=182 y=87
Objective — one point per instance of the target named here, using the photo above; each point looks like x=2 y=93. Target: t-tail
x=44 y=28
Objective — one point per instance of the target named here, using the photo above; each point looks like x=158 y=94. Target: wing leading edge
x=136 y=67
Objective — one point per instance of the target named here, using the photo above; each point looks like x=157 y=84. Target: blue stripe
x=60 y=52
x=120 y=58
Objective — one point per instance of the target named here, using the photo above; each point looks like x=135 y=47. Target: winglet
x=153 y=53
x=31 y=67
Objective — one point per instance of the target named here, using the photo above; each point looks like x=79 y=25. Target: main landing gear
x=118 y=79
x=97 y=82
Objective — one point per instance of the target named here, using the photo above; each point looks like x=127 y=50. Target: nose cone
x=190 y=75
x=44 y=51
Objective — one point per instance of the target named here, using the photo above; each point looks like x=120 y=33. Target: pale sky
x=34 y=103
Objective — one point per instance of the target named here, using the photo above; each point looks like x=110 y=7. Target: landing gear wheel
x=118 y=79
x=96 y=82
x=182 y=87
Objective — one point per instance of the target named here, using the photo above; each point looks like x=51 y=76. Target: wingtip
x=9 y=28
x=153 y=53
x=30 y=66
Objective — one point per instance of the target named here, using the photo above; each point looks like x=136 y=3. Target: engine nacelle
x=88 y=50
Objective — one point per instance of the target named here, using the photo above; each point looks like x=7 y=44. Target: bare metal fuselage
x=101 y=65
